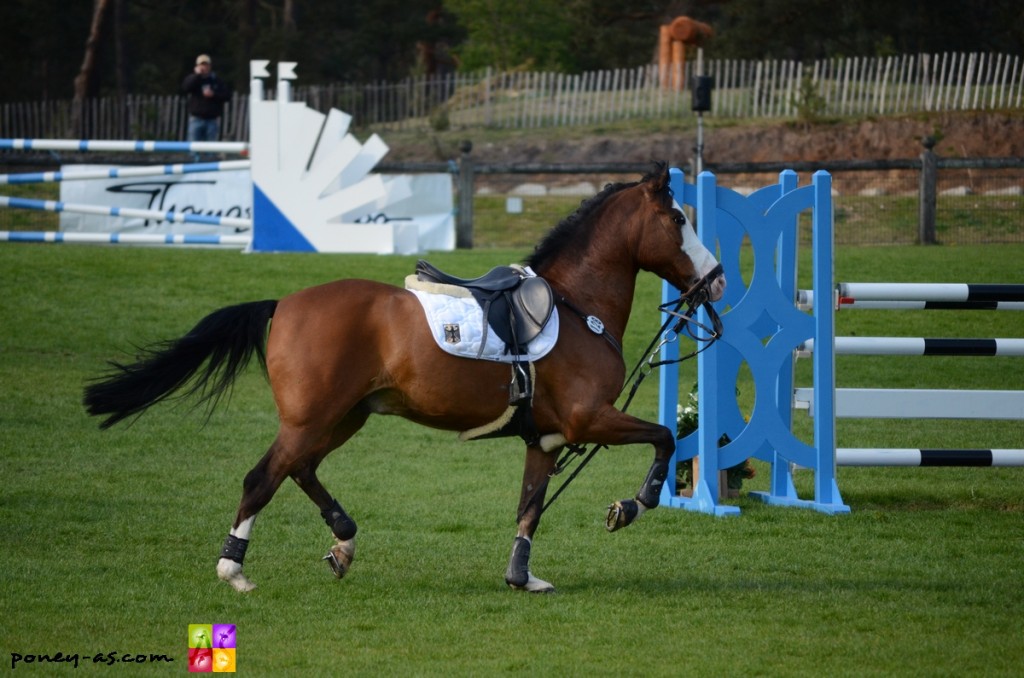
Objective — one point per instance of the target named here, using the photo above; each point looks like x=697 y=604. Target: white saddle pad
x=457 y=324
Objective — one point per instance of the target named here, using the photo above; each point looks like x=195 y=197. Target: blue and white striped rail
x=859 y=456
x=156 y=215
x=124 y=238
x=120 y=172
x=922 y=346
x=115 y=146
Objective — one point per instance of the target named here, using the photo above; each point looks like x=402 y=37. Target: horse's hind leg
x=341 y=555
x=258 y=489
x=292 y=451
x=536 y=474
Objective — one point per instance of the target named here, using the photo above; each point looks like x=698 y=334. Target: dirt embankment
x=992 y=135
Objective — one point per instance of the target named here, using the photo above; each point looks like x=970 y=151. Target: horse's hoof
x=621 y=514
x=532 y=585
x=340 y=556
x=518 y=575
x=231 y=572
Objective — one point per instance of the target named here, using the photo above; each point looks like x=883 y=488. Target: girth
x=516 y=304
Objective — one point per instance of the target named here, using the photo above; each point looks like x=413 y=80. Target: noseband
x=699 y=295
x=695 y=297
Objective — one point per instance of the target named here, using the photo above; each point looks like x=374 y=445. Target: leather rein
x=696 y=297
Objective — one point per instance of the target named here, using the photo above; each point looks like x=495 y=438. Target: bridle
x=699 y=295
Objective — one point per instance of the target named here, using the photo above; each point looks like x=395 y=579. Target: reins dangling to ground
x=333 y=358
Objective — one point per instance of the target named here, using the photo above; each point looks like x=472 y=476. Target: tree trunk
x=120 y=63
x=288 y=16
x=246 y=38
x=85 y=75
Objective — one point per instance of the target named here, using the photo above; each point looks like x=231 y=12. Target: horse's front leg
x=536 y=474
x=612 y=427
x=625 y=511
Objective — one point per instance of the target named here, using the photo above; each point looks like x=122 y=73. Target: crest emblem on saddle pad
x=451 y=333
x=595 y=325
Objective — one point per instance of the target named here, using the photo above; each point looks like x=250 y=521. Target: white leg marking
x=552 y=441
x=244 y=528
x=230 y=571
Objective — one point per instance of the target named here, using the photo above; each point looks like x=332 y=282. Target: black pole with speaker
x=701 y=102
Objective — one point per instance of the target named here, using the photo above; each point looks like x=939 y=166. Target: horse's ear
x=657 y=181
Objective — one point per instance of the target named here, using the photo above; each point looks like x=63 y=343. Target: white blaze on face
x=703 y=260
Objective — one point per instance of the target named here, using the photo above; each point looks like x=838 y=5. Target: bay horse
x=338 y=352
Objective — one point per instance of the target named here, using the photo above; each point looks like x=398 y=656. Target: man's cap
x=203 y=59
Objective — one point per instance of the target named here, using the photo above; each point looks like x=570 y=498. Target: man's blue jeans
x=200 y=129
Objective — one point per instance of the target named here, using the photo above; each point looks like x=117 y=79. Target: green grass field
x=110 y=538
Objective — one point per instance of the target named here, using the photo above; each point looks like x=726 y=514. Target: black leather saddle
x=515 y=305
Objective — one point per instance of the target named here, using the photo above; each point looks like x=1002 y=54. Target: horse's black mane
x=572 y=231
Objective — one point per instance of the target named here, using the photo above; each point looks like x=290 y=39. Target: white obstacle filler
x=313 y=187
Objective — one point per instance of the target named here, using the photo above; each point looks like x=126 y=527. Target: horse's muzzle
x=718 y=288
x=711 y=287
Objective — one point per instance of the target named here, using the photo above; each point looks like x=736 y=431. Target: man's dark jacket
x=200 y=106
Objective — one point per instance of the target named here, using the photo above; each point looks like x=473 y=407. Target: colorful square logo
x=211 y=648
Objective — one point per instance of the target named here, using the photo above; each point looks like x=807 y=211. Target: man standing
x=206 y=96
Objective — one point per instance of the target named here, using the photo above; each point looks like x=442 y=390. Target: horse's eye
x=678 y=218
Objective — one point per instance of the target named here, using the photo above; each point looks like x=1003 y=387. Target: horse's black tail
x=224 y=341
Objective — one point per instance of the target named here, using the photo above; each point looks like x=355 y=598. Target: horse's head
x=637 y=220
x=667 y=244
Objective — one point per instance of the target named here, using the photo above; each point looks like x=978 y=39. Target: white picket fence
x=743 y=89
x=864 y=85
x=769 y=88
